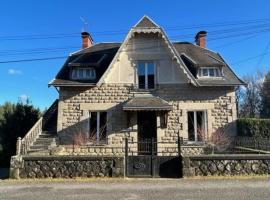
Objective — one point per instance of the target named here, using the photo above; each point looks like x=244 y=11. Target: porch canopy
x=147 y=104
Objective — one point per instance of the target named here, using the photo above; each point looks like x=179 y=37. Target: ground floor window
x=197 y=125
x=97 y=127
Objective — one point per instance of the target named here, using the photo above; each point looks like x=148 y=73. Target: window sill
x=194 y=143
x=210 y=77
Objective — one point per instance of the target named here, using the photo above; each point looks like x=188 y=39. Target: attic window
x=83 y=74
x=209 y=72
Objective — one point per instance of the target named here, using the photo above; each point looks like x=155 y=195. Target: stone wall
x=66 y=166
x=218 y=101
x=226 y=165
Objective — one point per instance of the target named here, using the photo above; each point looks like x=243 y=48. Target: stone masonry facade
x=218 y=101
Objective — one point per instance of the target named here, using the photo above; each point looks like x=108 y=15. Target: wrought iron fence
x=152 y=147
x=241 y=145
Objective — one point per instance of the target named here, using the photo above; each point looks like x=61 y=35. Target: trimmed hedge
x=252 y=127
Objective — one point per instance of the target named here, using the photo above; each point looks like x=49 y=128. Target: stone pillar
x=18 y=146
x=16 y=164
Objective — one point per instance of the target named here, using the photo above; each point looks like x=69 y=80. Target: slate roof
x=146 y=22
x=146 y=103
x=100 y=55
x=201 y=57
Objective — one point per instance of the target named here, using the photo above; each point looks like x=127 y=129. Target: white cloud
x=14 y=72
x=23 y=98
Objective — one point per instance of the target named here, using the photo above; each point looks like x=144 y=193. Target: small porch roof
x=147 y=104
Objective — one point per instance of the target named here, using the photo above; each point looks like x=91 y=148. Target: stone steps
x=42 y=143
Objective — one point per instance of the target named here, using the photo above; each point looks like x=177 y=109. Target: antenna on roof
x=85 y=24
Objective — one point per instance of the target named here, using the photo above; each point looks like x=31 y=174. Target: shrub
x=252 y=127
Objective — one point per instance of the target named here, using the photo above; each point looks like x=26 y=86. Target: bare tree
x=265 y=111
x=250 y=97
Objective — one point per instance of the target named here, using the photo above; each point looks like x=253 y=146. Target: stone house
x=145 y=88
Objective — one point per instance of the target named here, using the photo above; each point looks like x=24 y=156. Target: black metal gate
x=143 y=159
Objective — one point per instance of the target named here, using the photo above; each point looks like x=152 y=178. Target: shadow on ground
x=4 y=173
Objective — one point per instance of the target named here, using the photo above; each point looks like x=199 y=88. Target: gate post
x=179 y=140
x=152 y=157
x=179 y=145
x=126 y=156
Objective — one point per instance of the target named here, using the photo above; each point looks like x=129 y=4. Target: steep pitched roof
x=100 y=56
x=146 y=22
x=202 y=57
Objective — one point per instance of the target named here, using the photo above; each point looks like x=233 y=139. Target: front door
x=147 y=132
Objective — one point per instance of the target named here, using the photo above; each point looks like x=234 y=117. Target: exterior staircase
x=42 y=136
x=43 y=143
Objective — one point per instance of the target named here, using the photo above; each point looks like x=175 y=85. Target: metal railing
x=252 y=144
x=152 y=147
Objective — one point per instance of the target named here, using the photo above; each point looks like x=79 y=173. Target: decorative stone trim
x=66 y=167
x=226 y=165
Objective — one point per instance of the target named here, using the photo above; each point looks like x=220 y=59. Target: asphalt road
x=157 y=189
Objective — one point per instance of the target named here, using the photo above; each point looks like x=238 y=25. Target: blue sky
x=42 y=29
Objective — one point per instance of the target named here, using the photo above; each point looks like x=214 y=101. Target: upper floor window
x=209 y=72
x=146 y=75
x=83 y=74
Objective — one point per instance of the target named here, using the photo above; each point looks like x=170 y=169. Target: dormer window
x=83 y=74
x=209 y=72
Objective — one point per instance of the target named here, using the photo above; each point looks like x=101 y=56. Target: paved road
x=137 y=189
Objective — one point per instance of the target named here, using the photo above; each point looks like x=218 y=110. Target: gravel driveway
x=132 y=189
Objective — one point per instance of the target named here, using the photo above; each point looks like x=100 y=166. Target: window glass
x=141 y=75
x=211 y=72
x=146 y=75
x=151 y=75
x=98 y=135
x=217 y=72
x=191 y=131
x=88 y=74
x=93 y=126
x=103 y=126
x=197 y=129
x=80 y=73
x=205 y=72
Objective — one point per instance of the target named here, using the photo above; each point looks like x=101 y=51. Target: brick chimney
x=200 y=39
x=87 y=40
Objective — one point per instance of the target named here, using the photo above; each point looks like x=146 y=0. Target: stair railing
x=23 y=145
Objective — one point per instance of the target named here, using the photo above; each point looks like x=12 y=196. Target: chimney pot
x=200 y=39
x=87 y=40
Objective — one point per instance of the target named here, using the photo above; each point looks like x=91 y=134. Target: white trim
x=145 y=16
x=171 y=48
x=205 y=123
x=146 y=64
x=201 y=75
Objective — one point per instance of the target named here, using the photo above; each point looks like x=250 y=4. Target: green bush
x=252 y=127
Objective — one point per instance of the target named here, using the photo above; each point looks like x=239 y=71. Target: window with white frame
x=209 y=72
x=97 y=127
x=197 y=125
x=146 y=75
x=83 y=74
